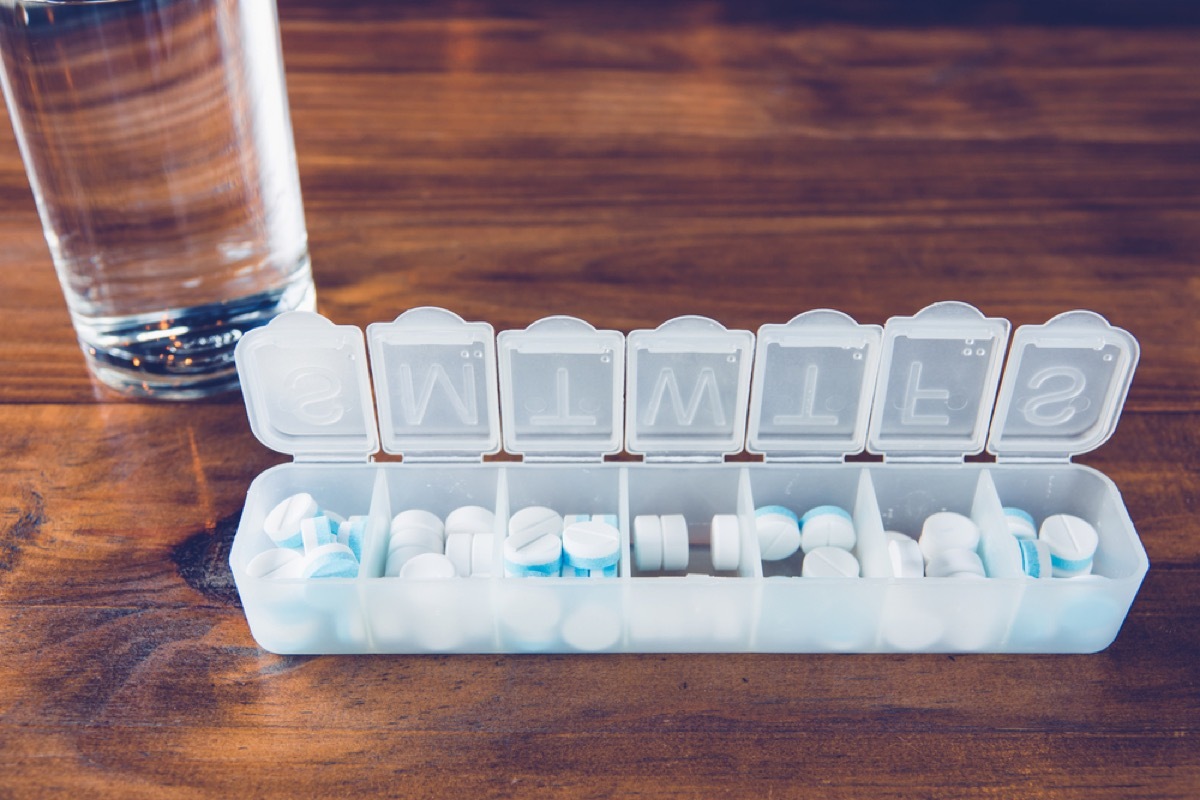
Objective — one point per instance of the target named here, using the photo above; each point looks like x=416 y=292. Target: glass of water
x=156 y=137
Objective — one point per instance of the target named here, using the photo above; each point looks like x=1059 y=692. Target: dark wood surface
x=624 y=164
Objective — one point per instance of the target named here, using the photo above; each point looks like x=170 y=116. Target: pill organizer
x=923 y=392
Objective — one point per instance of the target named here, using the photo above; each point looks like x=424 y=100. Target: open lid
x=561 y=384
x=813 y=381
x=435 y=381
x=306 y=388
x=937 y=382
x=1064 y=387
x=687 y=387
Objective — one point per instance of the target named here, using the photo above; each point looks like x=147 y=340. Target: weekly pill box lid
x=1064 y=387
x=562 y=389
x=813 y=382
x=306 y=388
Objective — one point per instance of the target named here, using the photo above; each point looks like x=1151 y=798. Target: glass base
x=183 y=353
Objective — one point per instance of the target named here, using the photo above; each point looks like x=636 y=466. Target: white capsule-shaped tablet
x=278 y=562
x=1035 y=559
x=675 y=542
x=827 y=526
x=458 y=550
x=425 y=538
x=1020 y=523
x=481 y=555
x=947 y=530
x=954 y=563
x=330 y=561
x=778 y=531
x=1000 y=552
x=533 y=522
x=591 y=545
x=829 y=562
x=647 y=543
x=470 y=519
x=428 y=566
x=905 y=556
x=282 y=524
x=418 y=518
x=725 y=542
x=1072 y=541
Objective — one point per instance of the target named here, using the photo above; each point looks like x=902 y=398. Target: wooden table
x=747 y=162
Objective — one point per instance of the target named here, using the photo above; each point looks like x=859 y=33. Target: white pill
x=399 y=556
x=470 y=519
x=1072 y=541
x=278 y=562
x=725 y=542
x=458 y=550
x=1020 y=523
x=675 y=542
x=778 y=531
x=1000 y=552
x=283 y=521
x=541 y=557
x=947 y=530
x=647 y=543
x=532 y=523
x=481 y=555
x=591 y=541
x=418 y=518
x=953 y=563
x=827 y=526
x=428 y=566
x=351 y=533
x=905 y=556
x=316 y=532
x=420 y=537
x=1035 y=558
x=829 y=562
x=330 y=561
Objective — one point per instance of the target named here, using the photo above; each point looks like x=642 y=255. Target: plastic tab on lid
x=561 y=384
x=937 y=382
x=813 y=382
x=306 y=388
x=435 y=380
x=1064 y=387
x=687 y=388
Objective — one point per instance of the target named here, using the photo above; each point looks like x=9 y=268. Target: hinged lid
x=687 y=389
x=435 y=380
x=1064 y=387
x=813 y=382
x=937 y=382
x=306 y=388
x=561 y=384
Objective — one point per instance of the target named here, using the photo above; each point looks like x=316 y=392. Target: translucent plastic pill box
x=922 y=391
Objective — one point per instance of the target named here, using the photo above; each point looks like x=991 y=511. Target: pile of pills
x=310 y=542
x=825 y=534
x=541 y=543
x=420 y=545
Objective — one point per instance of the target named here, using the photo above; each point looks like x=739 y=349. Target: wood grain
x=626 y=164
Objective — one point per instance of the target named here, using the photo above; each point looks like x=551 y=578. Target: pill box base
x=748 y=612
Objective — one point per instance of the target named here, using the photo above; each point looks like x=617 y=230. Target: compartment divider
x=868 y=525
x=987 y=510
x=374 y=551
x=750 y=563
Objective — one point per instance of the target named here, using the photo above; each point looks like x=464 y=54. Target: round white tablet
x=827 y=526
x=470 y=519
x=278 y=562
x=947 y=530
x=418 y=537
x=330 y=561
x=1073 y=542
x=1020 y=523
x=778 y=532
x=954 y=563
x=399 y=556
x=540 y=558
x=282 y=524
x=1035 y=558
x=428 y=566
x=829 y=562
x=675 y=542
x=532 y=523
x=905 y=556
x=481 y=555
x=647 y=543
x=316 y=532
x=458 y=550
x=418 y=518
x=591 y=545
x=1000 y=552
x=725 y=542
